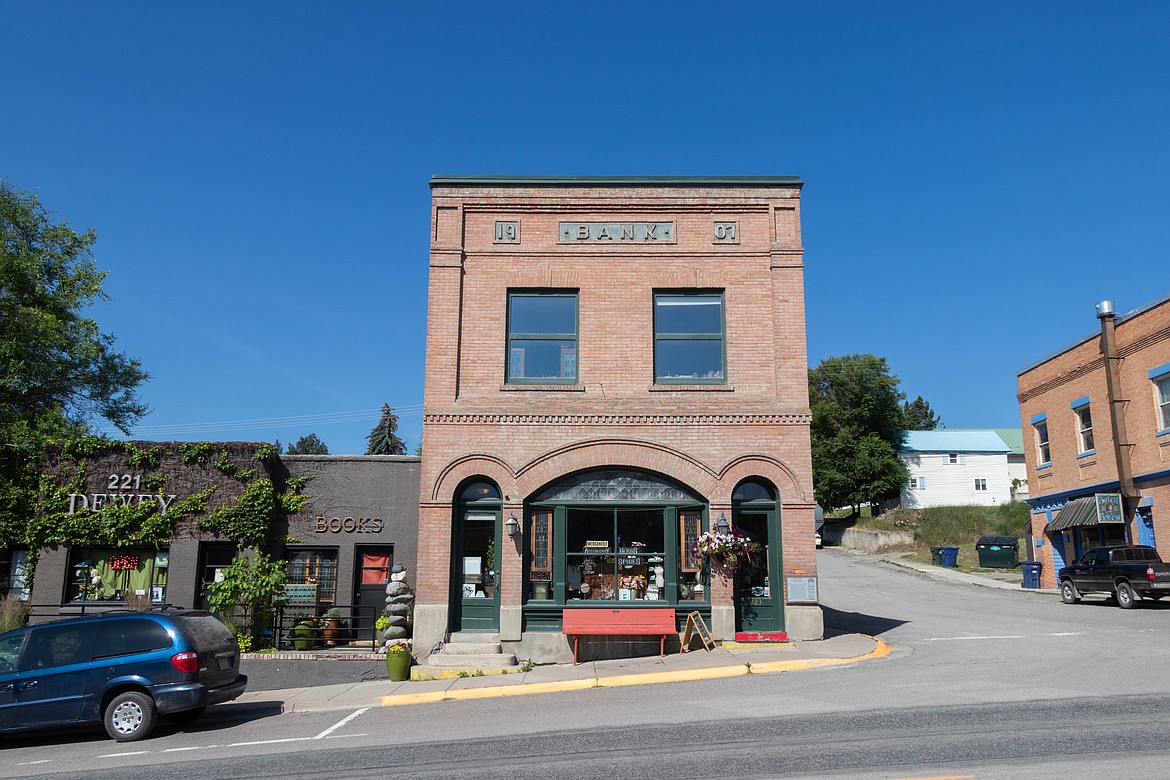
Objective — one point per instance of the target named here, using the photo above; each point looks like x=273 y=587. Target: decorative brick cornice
x=618 y=419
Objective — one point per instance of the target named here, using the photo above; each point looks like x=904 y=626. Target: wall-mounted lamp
x=512 y=526
x=721 y=525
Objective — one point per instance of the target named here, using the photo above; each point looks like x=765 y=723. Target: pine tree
x=384 y=438
x=307 y=445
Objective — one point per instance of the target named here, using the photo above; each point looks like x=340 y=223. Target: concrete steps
x=467 y=654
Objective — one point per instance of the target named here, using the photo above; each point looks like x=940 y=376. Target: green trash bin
x=998 y=552
x=936 y=555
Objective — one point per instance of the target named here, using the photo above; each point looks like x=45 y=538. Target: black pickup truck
x=1129 y=573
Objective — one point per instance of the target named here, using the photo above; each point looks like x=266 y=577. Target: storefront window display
x=117 y=574
x=315 y=567
x=634 y=548
x=14 y=573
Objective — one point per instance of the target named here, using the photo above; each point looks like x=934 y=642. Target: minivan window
x=56 y=646
x=127 y=636
x=10 y=651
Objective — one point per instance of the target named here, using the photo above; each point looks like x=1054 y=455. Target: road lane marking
x=340 y=723
x=123 y=754
x=30 y=763
x=1005 y=636
x=180 y=750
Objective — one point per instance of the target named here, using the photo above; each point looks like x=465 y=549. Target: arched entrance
x=759 y=590
x=475 y=542
x=612 y=536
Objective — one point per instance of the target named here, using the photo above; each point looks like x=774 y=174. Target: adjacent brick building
x=1074 y=461
x=613 y=365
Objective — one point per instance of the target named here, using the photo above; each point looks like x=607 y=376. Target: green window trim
x=674 y=346
x=529 y=349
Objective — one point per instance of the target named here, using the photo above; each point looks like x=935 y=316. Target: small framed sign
x=1109 y=508
x=802 y=590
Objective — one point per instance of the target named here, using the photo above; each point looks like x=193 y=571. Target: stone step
x=470 y=648
x=456 y=661
x=474 y=637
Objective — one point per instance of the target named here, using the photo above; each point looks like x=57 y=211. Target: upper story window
x=688 y=338
x=542 y=338
x=1080 y=408
x=956 y=458
x=1043 y=453
x=1161 y=379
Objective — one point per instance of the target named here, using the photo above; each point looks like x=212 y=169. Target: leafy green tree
x=918 y=416
x=52 y=359
x=247 y=595
x=307 y=445
x=857 y=430
x=383 y=440
x=58 y=371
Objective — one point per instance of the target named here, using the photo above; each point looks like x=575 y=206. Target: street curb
x=625 y=680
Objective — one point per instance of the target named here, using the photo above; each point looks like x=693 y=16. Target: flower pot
x=304 y=636
x=332 y=631
x=398 y=666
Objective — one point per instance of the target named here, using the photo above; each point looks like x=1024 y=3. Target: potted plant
x=305 y=634
x=332 y=620
x=726 y=553
x=398 y=662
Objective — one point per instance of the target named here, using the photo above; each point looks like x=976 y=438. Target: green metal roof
x=1078 y=512
x=443 y=180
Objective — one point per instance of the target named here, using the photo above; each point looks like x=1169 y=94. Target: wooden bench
x=616 y=621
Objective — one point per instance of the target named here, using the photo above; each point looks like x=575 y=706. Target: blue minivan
x=123 y=669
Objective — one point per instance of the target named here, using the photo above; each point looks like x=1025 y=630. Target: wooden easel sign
x=696 y=627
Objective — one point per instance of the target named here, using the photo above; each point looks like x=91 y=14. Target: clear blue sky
x=977 y=175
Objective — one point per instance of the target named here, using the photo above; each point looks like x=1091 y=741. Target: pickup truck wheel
x=1126 y=598
x=1068 y=592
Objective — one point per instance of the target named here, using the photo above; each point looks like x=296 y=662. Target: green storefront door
x=474 y=576
x=759 y=602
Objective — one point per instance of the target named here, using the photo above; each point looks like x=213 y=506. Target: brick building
x=613 y=366
x=1089 y=446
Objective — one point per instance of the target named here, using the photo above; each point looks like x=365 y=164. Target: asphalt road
x=981 y=683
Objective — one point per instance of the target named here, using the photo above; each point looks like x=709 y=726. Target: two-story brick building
x=614 y=365
x=1099 y=454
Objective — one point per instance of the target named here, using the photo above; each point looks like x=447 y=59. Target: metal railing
x=352 y=627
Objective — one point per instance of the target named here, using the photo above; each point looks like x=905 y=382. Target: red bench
x=652 y=621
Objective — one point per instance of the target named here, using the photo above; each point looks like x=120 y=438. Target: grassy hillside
x=953 y=525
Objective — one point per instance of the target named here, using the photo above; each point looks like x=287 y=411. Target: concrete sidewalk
x=727 y=660
x=733 y=660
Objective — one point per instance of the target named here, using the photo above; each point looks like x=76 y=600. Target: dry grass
x=13 y=613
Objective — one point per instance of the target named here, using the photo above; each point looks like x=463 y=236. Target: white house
x=954 y=467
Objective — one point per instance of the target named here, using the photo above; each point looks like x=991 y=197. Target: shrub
x=13 y=613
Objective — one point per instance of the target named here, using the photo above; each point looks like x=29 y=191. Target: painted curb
x=624 y=680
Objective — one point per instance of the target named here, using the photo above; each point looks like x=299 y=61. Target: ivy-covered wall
x=99 y=493
x=146 y=495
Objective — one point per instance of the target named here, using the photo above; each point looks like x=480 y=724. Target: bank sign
x=617 y=232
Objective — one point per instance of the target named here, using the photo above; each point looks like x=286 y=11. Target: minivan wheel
x=1126 y=598
x=1068 y=592
x=129 y=716
x=186 y=717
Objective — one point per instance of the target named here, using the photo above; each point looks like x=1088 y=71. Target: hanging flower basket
x=726 y=553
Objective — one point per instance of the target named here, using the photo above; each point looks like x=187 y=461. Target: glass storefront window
x=14 y=573
x=616 y=554
x=315 y=567
x=112 y=574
